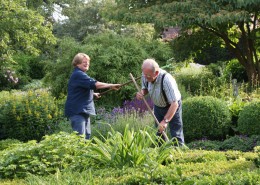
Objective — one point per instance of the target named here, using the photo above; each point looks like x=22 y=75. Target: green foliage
x=58 y=72
x=203 y=46
x=217 y=68
x=205 y=117
x=237 y=142
x=54 y=153
x=240 y=143
x=32 y=114
x=8 y=143
x=64 y=158
x=22 y=29
x=206 y=168
x=33 y=85
x=196 y=80
x=249 y=119
x=235 y=70
x=83 y=18
x=235 y=108
x=204 y=145
x=135 y=121
x=229 y=20
x=127 y=149
x=113 y=57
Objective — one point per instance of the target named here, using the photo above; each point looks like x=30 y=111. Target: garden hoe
x=148 y=107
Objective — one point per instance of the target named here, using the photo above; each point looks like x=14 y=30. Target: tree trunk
x=245 y=59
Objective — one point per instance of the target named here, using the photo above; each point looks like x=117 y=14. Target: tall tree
x=236 y=22
x=22 y=30
x=83 y=19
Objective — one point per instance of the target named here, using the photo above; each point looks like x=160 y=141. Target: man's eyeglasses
x=147 y=76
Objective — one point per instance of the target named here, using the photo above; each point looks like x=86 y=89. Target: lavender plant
x=134 y=113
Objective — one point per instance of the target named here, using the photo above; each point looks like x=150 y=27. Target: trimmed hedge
x=205 y=117
x=249 y=119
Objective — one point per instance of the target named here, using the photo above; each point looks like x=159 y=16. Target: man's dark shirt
x=80 y=94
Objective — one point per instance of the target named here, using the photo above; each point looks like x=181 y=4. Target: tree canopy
x=236 y=22
x=22 y=30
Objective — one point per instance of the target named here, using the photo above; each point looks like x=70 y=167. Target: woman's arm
x=101 y=85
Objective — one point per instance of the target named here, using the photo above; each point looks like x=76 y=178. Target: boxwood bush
x=205 y=117
x=249 y=119
x=28 y=115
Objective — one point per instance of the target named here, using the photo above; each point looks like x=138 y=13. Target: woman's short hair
x=151 y=63
x=79 y=58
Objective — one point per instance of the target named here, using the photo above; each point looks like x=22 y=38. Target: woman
x=79 y=104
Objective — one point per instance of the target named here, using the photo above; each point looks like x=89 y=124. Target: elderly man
x=166 y=97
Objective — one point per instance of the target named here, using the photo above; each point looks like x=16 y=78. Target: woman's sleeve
x=86 y=82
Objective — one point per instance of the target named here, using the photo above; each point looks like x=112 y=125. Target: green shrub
x=249 y=119
x=217 y=68
x=205 y=117
x=53 y=153
x=235 y=70
x=29 y=115
x=235 y=108
x=32 y=67
x=196 y=80
x=240 y=143
x=33 y=85
x=4 y=144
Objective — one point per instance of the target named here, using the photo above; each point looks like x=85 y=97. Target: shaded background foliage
x=113 y=57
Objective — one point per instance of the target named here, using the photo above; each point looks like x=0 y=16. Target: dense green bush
x=234 y=70
x=4 y=144
x=29 y=115
x=240 y=143
x=113 y=57
x=53 y=153
x=249 y=119
x=197 y=81
x=235 y=108
x=205 y=117
x=25 y=68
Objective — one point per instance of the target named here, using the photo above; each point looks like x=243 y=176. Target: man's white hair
x=151 y=63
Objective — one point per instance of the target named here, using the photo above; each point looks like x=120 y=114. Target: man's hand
x=139 y=95
x=97 y=95
x=162 y=126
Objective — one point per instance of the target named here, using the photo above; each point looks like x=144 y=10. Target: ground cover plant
x=123 y=159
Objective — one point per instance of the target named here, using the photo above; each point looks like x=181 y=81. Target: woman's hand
x=97 y=95
x=115 y=86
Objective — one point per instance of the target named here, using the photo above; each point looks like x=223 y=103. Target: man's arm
x=169 y=115
x=141 y=94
